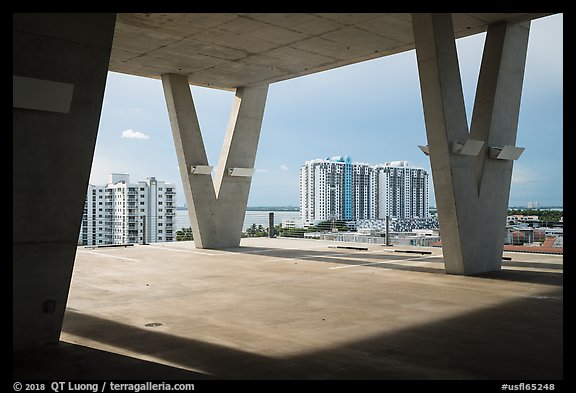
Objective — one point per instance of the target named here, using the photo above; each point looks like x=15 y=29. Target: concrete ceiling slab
x=228 y=50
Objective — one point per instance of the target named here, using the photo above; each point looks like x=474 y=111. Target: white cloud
x=284 y=167
x=131 y=134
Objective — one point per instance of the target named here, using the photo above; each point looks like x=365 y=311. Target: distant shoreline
x=296 y=208
x=273 y=208
x=262 y=208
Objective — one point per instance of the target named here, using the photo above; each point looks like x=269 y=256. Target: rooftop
x=302 y=309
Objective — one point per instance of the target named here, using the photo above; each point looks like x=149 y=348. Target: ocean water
x=252 y=217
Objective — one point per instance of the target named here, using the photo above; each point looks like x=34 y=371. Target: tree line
x=261 y=231
x=543 y=214
x=254 y=230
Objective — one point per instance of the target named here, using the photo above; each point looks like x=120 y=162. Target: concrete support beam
x=216 y=206
x=472 y=190
x=60 y=63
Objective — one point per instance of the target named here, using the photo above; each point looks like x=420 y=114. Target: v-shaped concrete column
x=471 y=177
x=216 y=207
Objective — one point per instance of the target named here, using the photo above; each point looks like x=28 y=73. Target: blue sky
x=371 y=111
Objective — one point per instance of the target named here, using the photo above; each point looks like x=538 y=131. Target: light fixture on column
x=244 y=172
x=471 y=147
x=508 y=152
x=201 y=169
x=425 y=149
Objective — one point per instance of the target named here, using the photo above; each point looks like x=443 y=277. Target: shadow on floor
x=520 y=339
x=378 y=261
x=535 y=265
x=65 y=361
x=527 y=276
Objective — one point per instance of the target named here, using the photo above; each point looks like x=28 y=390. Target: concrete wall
x=60 y=63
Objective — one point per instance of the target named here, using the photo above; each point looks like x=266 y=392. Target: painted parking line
x=180 y=250
x=261 y=250
x=108 y=255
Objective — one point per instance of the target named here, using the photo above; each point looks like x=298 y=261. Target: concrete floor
x=302 y=309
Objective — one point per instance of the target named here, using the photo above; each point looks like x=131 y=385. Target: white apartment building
x=336 y=188
x=401 y=191
x=121 y=212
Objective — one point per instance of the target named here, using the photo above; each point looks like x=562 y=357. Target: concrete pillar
x=60 y=63
x=471 y=185
x=216 y=206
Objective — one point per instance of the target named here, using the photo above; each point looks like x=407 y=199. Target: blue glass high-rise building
x=347 y=183
x=347 y=188
x=337 y=188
